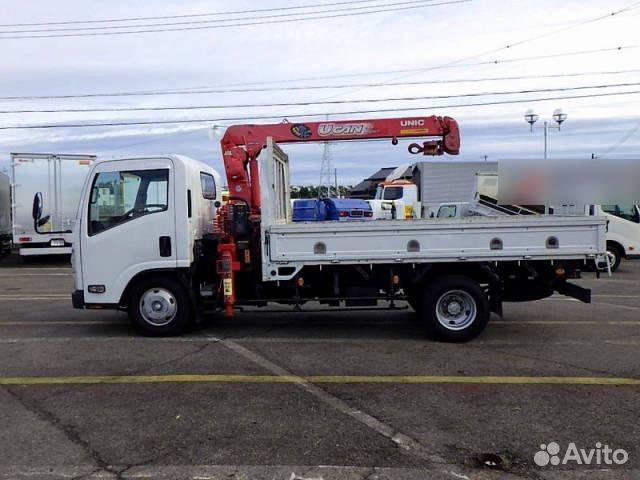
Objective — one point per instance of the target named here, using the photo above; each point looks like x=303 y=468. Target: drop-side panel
x=486 y=239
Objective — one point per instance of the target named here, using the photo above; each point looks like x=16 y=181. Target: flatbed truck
x=153 y=238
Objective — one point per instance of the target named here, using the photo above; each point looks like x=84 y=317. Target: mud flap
x=495 y=299
x=574 y=291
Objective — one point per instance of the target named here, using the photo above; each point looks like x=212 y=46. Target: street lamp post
x=558 y=116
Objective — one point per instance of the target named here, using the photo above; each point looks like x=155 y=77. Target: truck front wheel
x=159 y=306
x=615 y=256
x=454 y=308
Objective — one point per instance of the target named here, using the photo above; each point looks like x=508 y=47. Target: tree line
x=312 y=191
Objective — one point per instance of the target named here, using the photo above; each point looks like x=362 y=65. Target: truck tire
x=159 y=306
x=454 y=308
x=615 y=256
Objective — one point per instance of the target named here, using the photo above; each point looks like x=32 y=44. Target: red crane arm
x=242 y=144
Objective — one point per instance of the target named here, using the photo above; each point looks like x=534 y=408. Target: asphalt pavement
x=278 y=394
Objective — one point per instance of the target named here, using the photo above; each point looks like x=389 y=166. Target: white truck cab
x=396 y=199
x=138 y=218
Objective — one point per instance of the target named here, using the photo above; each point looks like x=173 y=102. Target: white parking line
x=289 y=340
x=20 y=274
x=213 y=472
x=626 y=307
x=27 y=298
x=403 y=441
x=616 y=296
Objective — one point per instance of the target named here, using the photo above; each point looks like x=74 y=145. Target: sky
x=416 y=49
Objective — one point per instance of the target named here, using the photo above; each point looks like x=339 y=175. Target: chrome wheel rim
x=456 y=310
x=158 y=307
x=613 y=258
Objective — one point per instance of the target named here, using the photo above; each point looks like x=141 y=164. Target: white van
x=623 y=231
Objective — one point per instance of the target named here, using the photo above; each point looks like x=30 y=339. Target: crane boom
x=237 y=222
x=241 y=144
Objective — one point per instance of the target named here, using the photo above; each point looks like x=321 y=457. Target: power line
x=521 y=42
x=352 y=112
x=231 y=24
x=154 y=140
x=220 y=20
x=623 y=140
x=324 y=102
x=575 y=25
x=204 y=90
x=388 y=84
x=191 y=92
x=193 y=15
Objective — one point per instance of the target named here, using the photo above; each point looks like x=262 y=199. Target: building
x=367 y=188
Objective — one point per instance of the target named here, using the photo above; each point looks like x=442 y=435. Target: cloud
x=435 y=39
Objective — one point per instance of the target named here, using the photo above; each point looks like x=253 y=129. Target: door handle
x=165 y=246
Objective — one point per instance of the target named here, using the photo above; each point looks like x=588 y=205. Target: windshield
x=392 y=193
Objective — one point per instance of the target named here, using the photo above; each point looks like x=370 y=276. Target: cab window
x=627 y=212
x=208 y=186
x=447 y=211
x=118 y=197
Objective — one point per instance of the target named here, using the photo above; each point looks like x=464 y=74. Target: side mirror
x=36 y=211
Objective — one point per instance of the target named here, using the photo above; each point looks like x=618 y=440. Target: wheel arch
x=181 y=275
x=479 y=272
x=621 y=250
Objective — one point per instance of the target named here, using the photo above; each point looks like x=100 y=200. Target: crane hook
x=427 y=148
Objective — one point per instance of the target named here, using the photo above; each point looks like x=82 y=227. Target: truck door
x=128 y=225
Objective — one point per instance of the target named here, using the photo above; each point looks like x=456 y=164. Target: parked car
x=331 y=209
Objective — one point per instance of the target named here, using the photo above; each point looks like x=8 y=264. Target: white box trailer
x=58 y=178
x=449 y=181
x=5 y=214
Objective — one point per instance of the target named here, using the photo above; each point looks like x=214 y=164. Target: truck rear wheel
x=159 y=306
x=455 y=308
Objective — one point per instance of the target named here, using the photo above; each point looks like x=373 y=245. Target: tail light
x=24 y=239
x=368 y=213
x=343 y=213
